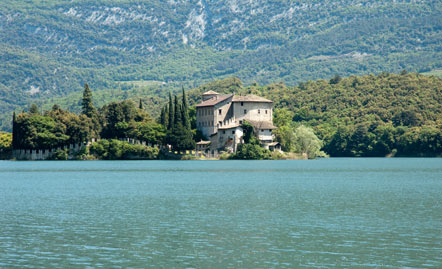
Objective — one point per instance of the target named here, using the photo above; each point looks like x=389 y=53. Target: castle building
x=219 y=118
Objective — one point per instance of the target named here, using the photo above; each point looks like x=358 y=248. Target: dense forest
x=49 y=49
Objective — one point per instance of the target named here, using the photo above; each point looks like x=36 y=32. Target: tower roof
x=210 y=93
x=250 y=98
x=214 y=101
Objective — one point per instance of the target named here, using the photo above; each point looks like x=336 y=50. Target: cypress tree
x=185 y=111
x=164 y=117
x=177 y=118
x=14 y=134
x=171 y=113
x=140 y=106
x=87 y=103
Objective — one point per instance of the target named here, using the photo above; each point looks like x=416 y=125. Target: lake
x=345 y=212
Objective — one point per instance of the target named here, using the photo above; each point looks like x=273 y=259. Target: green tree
x=338 y=146
x=307 y=142
x=5 y=145
x=164 y=119
x=33 y=109
x=282 y=117
x=14 y=131
x=171 y=113
x=336 y=79
x=185 y=111
x=177 y=116
x=251 y=152
x=88 y=107
x=118 y=150
x=249 y=136
x=285 y=135
x=39 y=132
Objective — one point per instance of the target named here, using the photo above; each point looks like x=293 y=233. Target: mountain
x=50 y=48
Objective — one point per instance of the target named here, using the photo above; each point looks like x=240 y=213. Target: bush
x=59 y=155
x=251 y=152
x=5 y=145
x=119 y=150
x=224 y=156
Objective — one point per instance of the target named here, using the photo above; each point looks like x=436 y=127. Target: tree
x=336 y=79
x=182 y=138
x=164 y=119
x=140 y=106
x=185 y=111
x=87 y=103
x=150 y=131
x=337 y=147
x=282 y=117
x=39 y=132
x=33 y=109
x=285 y=135
x=14 y=134
x=307 y=142
x=171 y=113
x=118 y=117
x=177 y=119
x=78 y=128
x=5 y=144
x=249 y=133
x=251 y=152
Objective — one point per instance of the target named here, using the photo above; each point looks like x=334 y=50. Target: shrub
x=119 y=150
x=59 y=155
x=251 y=152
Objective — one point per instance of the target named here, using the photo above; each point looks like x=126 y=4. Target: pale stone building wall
x=265 y=135
x=208 y=118
x=253 y=111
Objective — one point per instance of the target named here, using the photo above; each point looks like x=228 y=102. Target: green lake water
x=222 y=214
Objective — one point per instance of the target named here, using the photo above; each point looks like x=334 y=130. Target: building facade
x=219 y=118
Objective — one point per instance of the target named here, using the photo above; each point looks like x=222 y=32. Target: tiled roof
x=228 y=127
x=214 y=101
x=273 y=144
x=210 y=93
x=262 y=124
x=250 y=98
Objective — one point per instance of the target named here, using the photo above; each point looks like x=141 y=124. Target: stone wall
x=44 y=154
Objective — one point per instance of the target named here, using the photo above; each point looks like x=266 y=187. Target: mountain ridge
x=51 y=48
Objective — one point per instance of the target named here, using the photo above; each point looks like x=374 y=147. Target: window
x=220 y=111
x=259 y=111
x=220 y=123
x=245 y=111
x=262 y=130
x=242 y=103
x=224 y=132
x=240 y=122
x=266 y=111
x=233 y=132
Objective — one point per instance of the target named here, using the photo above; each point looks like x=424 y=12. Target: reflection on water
x=201 y=214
